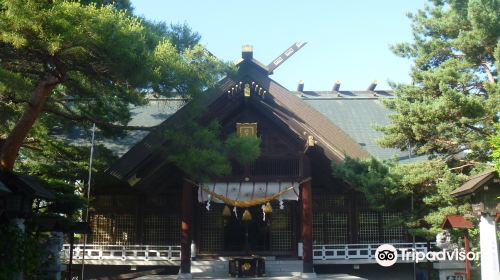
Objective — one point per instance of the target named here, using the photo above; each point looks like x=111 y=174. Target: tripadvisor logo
x=387 y=255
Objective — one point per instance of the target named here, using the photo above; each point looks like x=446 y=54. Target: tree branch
x=491 y=79
x=461 y=167
x=37 y=101
x=80 y=118
x=488 y=72
x=478 y=130
x=73 y=116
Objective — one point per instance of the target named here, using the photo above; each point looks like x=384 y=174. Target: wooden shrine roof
x=16 y=182
x=456 y=221
x=473 y=183
x=292 y=110
x=341 y=122
x=356 y=113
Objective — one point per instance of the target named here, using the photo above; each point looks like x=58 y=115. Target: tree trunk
x=11 y=145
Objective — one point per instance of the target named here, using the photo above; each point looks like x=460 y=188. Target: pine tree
x=449 y=114
x=87 y=63
x=452 y=106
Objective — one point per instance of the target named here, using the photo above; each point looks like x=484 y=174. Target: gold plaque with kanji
x=246 y=129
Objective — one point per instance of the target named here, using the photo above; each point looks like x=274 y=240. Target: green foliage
x=452 y=104
x=196 y=150
x=201 y=154
x=495 y=145
x=61 y=167
x=449 y=112
x=243 y=149
x=373 y=179
x=19 y=252
x=104 y=60
x=392 y=186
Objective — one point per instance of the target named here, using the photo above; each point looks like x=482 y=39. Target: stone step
x=208 y=262
x=278 y=262
x=206 y=268
x=220 y=268
x=283 y=268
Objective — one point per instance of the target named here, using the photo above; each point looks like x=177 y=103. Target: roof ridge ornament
x=284 y=56
x=247 y=52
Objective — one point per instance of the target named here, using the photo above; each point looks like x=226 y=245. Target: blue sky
x=346 y=40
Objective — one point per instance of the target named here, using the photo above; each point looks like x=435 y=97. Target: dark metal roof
x=356 y=113
x=342 y=94
x=4 y=189
x=154 y=113
x=327 y=133
x=474 y=183
x=20 y=183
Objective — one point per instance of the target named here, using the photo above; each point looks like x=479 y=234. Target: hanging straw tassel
x=268 y=208
x=246 y=216
x=226 y=213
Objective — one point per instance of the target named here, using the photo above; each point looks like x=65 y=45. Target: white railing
x=122 y=252
x=359 y=251
x=173 y=253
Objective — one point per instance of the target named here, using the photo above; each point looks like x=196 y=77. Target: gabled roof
x=3 y=188
x=356 y=113
x=456 y=221
x=303 y=119
x=144 y=149
x=474 y=183
x=329 y=136
x=156 y=111
x=20 y=183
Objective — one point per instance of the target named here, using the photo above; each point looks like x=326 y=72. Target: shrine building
x=147 y=214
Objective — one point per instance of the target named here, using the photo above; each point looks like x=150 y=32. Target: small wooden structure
x=459 y=222
x=17 y=192
x=484 y=192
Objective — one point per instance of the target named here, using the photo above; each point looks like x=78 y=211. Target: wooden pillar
x=71 y=247
x=467 y=249
x=195 y=233
x=307 y=227
x=186 y=227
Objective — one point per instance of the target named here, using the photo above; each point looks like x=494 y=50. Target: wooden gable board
x=289 y=108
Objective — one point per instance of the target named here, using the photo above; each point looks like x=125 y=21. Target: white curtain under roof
x=246 y=191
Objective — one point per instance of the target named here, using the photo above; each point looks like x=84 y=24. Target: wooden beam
x=186 y=227
x=467 y=250
x=306 y=195
x=285 y=55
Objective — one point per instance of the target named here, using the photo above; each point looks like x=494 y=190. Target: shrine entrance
x=248 y=236
x=275 y=236
x=224 y=229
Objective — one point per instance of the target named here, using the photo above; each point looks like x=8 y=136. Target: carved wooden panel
x=246 y=129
